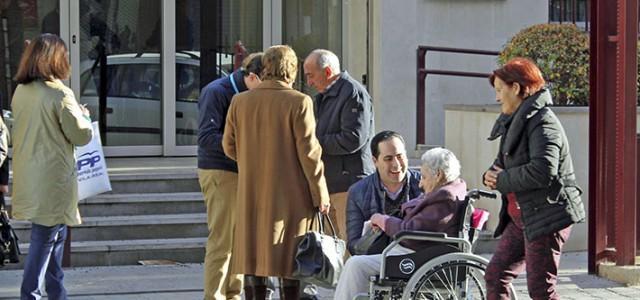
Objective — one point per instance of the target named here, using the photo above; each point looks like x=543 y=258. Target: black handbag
x=9 y=250
x=320 y=257
x=372 y=242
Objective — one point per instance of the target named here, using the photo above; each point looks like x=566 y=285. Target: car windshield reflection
x=134 y=90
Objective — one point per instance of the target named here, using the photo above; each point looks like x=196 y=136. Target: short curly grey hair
x=441 y=159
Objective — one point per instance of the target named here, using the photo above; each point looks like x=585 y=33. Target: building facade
x=139 y=64
x=157 y=54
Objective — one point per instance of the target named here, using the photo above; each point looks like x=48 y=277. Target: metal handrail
x=422 y=72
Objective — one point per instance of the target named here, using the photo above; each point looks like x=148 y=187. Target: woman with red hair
x=534 y=173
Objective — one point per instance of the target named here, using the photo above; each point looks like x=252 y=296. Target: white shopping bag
x=92 y=168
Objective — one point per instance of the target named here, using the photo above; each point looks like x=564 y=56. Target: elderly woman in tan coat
x=270 y=132
x=48 y=123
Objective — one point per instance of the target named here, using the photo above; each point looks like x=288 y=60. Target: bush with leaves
x=561 y=51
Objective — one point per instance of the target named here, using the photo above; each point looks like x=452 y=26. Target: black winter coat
x=534 y=153
x=344 y=127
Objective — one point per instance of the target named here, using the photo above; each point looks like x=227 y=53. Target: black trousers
x=255 y=288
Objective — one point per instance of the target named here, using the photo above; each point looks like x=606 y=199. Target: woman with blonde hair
x=48 y=124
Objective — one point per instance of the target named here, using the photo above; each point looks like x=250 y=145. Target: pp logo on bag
x=88 y=159
x=407 y=266
x=90 y=165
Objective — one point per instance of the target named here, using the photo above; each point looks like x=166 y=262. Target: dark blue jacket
x=213 y=105
x=366 y=197
x=344 y=129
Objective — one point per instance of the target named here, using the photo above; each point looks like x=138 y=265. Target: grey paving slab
x=124 y=282
x=185 y=282
x=576 y=283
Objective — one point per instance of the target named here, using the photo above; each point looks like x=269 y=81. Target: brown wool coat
x=270 y=132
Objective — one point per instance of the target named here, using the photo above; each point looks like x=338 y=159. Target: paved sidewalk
x=185 y=282
x=576 y=284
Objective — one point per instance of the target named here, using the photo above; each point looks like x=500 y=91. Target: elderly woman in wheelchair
x=436 y=210
x=430 y=257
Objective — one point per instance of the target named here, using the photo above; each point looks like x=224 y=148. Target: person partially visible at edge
x=4 y=162
x=270 y=132
x=437 y=210
x=218 y=177
x=48 y=124
x=344 y=116
x=534 y=173
x=384 y=191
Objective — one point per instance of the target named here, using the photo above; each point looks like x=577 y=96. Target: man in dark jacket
x=344 y=127
x=383 y=191
x=218 y=177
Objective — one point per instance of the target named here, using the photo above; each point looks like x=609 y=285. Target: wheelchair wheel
x=450 y=276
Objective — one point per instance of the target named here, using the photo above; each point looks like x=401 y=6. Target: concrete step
x=140 y=180
x=129 y=252
x=131 y=227
x=154 y=182
x=139 y=204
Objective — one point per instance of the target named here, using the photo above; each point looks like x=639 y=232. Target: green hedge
x=562 y=53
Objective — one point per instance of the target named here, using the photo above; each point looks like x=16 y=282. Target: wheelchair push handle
x=477 y=193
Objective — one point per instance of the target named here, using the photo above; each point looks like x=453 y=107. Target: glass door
x=207 y=39
x=139 y=65
x=116 y=58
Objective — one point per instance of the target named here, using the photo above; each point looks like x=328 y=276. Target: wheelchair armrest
x=408 y=235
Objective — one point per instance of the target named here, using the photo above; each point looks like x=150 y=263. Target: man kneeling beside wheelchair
x=435 y=210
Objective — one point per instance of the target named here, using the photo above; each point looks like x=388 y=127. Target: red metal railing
x=422 y=72
x=613 y=181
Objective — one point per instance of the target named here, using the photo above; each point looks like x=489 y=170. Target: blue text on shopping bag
x=88 y=159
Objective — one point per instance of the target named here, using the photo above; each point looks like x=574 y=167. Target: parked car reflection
x=134 y=109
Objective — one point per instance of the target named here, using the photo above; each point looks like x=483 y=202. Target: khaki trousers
x=220 y=188
x=338 y=213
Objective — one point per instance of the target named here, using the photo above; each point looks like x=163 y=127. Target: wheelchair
x=446 y=270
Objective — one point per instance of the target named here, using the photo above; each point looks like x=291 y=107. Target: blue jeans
x=44 y=263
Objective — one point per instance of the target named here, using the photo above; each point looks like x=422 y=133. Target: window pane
x=212 y=37
x=120 y=58
x=308 y=25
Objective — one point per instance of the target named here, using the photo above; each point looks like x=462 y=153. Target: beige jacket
x=48 y=123
x=270 y=132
